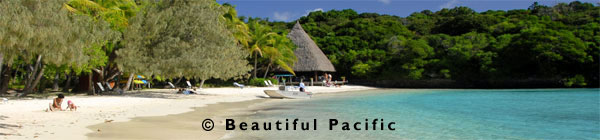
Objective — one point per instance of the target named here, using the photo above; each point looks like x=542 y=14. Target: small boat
x=286 y=92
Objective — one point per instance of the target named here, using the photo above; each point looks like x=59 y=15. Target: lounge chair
x=171 y=84
x=100 y=87
x=189 y=84
x=271 y=84
x=238 y=85
x=108 y=85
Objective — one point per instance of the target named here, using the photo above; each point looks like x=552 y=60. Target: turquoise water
x=443 y=114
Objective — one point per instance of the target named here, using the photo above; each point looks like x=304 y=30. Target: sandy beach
x=27 y=118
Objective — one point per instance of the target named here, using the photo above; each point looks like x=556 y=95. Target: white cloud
x=283 y=16
x=313 y=10
x=449 y=4
x=385 y=1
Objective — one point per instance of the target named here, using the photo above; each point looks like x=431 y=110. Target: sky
x=290 y=10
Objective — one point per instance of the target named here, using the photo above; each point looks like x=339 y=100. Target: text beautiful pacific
x=297 y=124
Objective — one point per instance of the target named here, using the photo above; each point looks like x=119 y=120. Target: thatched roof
x=310 y=57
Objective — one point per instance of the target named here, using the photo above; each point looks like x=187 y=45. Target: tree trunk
x=1 y=60
x=39 y=88
x=267 y=71
x=56 y=80
x=68 y=83
x=128 y=84
x=202 y=83
x=100 y=74
x=91 y=89
x=32 y=75
x=179 y=80
x=6 y=77
x=112 y=76
x=28 y=76
x=35 y=82
x=255 y=63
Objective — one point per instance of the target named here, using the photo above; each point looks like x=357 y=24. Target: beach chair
x=171 y=84
x=238 y=85
x=271 y=84
x=108 y=86
x=188 y=84
x=266 y=83
x=100 y=87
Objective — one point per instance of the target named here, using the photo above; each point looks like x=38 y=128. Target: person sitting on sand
x=71 y=106
x=56 y=103
x=302 y=87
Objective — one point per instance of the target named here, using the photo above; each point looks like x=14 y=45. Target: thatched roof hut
x=310 y=57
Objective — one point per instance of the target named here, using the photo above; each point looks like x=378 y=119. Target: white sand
x=27 y=119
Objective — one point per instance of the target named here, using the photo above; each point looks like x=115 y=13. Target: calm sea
x=441 y=114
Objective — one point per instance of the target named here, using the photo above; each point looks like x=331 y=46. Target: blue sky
x=290 y=10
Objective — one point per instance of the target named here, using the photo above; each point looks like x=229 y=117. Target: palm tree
x=261 y=35
x=239 y=29
x=281 y=53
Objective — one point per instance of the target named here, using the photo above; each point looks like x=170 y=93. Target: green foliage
x=178 y=38
x=115 y=12
x=44 y=28
x=461 y=44
x=261 y=81
x=578 y=80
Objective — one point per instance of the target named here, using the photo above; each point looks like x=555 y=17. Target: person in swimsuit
x=71 y=106
x=56 y=103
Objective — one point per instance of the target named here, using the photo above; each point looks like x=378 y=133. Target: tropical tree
x=281 y=53
x=261 y=36
x=15 y=30
x=176 y=38
x=50 y=35
x=239 y=28
x=115 y=12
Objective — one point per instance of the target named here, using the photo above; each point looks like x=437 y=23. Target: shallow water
x=440 y=114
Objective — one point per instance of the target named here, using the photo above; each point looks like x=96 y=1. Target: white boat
x=285 y=92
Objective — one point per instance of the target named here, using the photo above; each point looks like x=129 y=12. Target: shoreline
x=26 y=119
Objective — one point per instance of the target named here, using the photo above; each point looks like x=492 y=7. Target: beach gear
x=171 y=84
x=238 y=85
x=269 y=81
x=108 y=85
x=188 y=83
x=100 y=86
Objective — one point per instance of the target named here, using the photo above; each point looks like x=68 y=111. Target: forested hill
x=558 y=44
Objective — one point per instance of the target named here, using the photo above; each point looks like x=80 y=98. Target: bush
x=578 y=80
x=261 y=81
x=257 y=82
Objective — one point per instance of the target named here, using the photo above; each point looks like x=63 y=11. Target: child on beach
x=71 y=106
x=56 y=103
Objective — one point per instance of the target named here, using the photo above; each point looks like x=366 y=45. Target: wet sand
x=180 y=126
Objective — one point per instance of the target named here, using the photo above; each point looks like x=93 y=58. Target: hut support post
x=316 y=76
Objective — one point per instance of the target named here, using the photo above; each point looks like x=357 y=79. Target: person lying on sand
x=56 y=103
